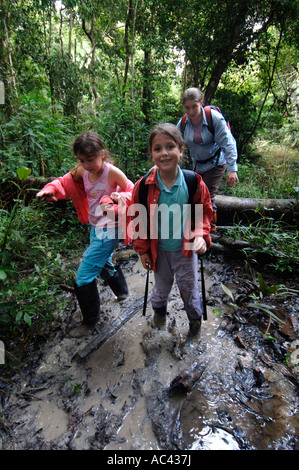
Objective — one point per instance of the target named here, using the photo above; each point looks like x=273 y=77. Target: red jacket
x=202 y=196
x=64 y=187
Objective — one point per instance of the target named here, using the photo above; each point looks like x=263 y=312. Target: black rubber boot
x=194 y=328
x=118 y=284
x=160 y=316
x=89 y=302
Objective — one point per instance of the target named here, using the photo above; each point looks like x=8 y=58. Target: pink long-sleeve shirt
x=65 y=187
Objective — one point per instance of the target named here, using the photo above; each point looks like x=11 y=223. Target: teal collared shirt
x=172 y=213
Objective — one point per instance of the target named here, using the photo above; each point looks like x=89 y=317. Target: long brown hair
x=169 y=129
x=193 y=94
x=89 y=144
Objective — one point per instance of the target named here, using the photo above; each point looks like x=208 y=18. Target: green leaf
x=263 y=286
x=227 y=291
x=27 y=319
x=3 y=275
x=18 y=316
x=37 y=268
x=23 y=173
x=267 y=309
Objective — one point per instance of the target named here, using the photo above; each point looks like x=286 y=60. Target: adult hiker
x=94 y=186
x=166 y=246
x=210 y=143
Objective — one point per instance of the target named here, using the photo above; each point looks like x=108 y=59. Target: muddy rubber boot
x=160 y=316
x=80 y=331
x=118 y=284
x=89 y=302
x=194 y=328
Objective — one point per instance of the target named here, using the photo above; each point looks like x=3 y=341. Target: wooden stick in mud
x=111 y=330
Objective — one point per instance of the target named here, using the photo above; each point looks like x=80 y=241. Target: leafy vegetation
x=34 y=254
x=272 y=172
x=261 y=302
x=119 y=68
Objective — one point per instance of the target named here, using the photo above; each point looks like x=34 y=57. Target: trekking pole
x=203 y=290
x=145 y=293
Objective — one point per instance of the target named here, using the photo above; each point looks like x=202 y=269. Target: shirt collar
x=178 y=181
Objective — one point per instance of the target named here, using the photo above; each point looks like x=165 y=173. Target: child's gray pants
x=170 y=265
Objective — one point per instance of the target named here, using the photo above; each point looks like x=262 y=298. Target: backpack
x=191 y=181
x=209 y=119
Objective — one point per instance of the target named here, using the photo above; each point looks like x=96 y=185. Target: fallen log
x=232 y=210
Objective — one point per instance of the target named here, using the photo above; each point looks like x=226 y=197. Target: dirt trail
x=150 y=389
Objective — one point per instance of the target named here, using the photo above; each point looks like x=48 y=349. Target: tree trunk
x=271 y=78
x=246 y=210
x=218 y=71
x=70 y=34
x=48 y=45
x=127 y=30
x=10 y=67
x=226 y=52
x=90 y=36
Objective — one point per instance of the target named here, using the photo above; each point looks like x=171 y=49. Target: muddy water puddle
x=149 y=389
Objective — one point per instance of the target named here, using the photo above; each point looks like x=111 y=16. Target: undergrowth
x=270 y=237
x=272 y=172
x=40 y=247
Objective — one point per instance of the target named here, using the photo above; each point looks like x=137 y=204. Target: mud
x=150 y=389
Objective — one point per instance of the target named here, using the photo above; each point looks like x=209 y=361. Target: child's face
x=92 y=164
x=165 y=152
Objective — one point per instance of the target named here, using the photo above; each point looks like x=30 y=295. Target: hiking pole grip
x=145 y=293
x=203 y=289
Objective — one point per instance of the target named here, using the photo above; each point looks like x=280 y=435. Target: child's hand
x=48 y=194
x=199 y=245
x=115 y=197
x=146 y=261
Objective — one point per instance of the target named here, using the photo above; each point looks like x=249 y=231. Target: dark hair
x=88 y=144
x=169 y=129
x=193 y=94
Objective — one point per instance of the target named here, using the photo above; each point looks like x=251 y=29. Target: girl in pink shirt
x=98 y=178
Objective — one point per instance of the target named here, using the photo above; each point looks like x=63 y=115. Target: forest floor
x=143 y=388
